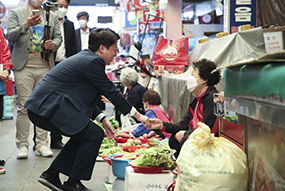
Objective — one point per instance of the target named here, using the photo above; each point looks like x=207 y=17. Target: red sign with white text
x=140 y=4
x=141 y=27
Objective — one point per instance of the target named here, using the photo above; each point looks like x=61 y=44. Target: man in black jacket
x=83 y=32
x=67 y=49
x=68 y=46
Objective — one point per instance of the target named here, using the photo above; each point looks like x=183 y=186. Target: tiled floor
x=22 y=175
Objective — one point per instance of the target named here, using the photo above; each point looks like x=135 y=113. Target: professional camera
x=49 y=5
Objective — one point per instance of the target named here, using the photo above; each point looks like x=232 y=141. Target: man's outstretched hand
x=110 y=130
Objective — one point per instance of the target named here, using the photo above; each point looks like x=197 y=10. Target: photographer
x=26 y=29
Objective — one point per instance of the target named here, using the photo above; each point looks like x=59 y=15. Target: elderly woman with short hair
x=129 y=78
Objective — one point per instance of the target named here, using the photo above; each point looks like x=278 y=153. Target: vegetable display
x=106 y=144
x=113 y=150
x=154 y=157
x=114 y=122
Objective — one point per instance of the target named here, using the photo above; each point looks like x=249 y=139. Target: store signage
x=273 y=41
x=141 y=27
x=237 y=13
x=140 y=4
x=2 y=10
x=131 y=23
x=159 y=13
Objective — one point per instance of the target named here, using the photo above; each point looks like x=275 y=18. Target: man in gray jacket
x=26 y=29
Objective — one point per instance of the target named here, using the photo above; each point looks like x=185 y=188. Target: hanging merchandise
x=168 y=52
x=170 y=56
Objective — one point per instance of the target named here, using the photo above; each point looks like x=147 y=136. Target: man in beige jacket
x=26 y=30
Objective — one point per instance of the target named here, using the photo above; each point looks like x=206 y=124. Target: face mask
x=61 y=12
x=36 y=3
x=82 y=23
x=146 y=107
x=191 y=83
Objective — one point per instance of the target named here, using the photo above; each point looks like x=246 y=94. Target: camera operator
x=26 y=26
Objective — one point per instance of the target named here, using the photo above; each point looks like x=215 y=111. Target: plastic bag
x=168 y=52
x=210 y=163
x=128 y=123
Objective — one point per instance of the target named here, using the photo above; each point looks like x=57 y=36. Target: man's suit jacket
x=68 y=95
x=22 y=39
x=78 y=38
x=69 y=38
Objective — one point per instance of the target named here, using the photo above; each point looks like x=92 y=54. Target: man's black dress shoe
x=75 y=187
x=56 y=145
x=52 y=182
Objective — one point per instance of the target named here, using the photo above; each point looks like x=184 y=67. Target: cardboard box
x=160 y=70
x=147 y=182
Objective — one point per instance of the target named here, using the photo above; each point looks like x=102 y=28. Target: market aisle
x=22 y=175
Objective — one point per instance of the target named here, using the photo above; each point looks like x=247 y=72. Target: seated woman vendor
x=151 y=101
x=201 y=84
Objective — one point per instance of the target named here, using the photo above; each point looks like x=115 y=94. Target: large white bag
x=208 y=163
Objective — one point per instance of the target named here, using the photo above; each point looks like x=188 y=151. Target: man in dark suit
x=67 y=49
x=83 y=32
x=65 y=102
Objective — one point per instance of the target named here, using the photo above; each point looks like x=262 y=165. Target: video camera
x=49 y=5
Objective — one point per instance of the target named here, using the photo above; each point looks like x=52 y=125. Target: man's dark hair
x=152 y=97
x=102 y=36
x=83 y=13
x=68 y=1
x=205 y=68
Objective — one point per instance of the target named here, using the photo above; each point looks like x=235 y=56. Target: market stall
x=137 y=164
x=223 y=51
x=254 y=89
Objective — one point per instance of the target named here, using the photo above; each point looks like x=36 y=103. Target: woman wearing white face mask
x=201 y=84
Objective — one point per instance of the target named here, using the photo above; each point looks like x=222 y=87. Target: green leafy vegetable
x=154 y=157
x=114 y=122
x=113 y=150
x=106 y=143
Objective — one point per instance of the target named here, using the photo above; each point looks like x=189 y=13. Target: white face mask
x=36 y=3
x=191 y=83
x=82 y=23
x=61 y=12
x=146 y=107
